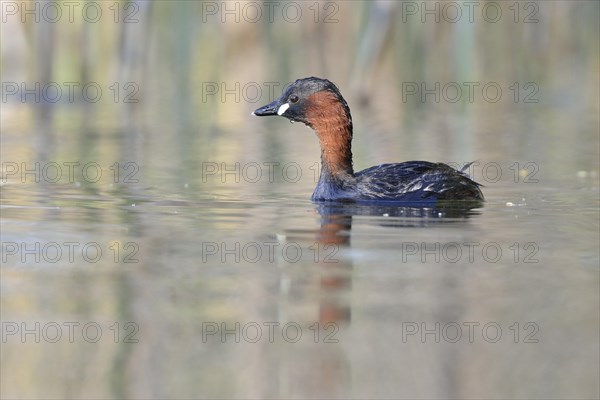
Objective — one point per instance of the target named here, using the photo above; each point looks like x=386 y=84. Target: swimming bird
x=319 y=104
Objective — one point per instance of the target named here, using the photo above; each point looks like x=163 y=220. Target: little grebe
x=319 y=104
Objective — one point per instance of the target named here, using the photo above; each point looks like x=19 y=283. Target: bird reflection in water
x=334 y=236
x=327 y=366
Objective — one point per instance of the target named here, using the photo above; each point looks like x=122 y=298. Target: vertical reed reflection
x=44 y=60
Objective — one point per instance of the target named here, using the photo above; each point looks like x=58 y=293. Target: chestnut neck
x=330 y=118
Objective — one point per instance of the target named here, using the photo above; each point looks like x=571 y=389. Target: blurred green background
x=175 y=76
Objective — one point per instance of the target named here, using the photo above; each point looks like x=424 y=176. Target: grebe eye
x=294 y=98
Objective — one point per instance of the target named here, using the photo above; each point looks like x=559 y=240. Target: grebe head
x=319 y=104
x=309 y=100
